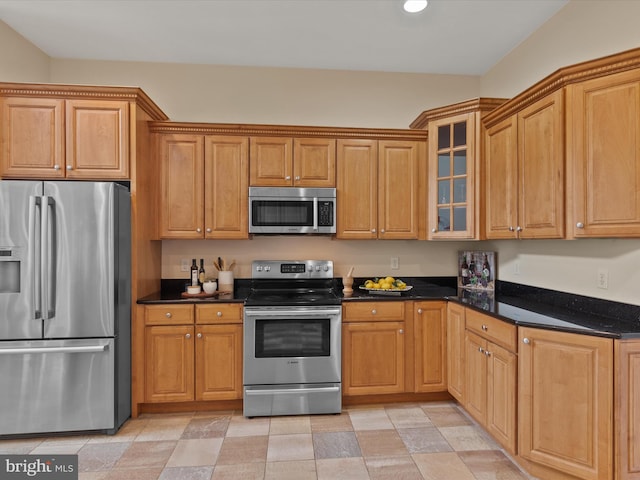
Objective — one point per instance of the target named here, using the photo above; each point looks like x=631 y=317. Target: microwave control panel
x=325 y=214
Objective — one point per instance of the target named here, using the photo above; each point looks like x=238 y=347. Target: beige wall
x=20 y=60
x=581 y=31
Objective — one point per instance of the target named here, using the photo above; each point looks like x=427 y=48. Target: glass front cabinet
x=454 y=171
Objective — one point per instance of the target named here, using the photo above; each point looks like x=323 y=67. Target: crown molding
x=480 y=104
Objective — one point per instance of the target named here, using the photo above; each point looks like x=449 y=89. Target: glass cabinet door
x=451 y=172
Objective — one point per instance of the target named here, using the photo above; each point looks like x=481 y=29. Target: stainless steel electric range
x=292 y=339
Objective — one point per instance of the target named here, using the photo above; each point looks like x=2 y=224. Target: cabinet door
x=604 y=156
x=398 y=177
x=182 y=170
x=455 y=350
x=218 y=362
x=627 y=409
x=541 y=168
x=501 y=174
x=430 y=331
x=226 y=190
x=97 y=139
x=367 y=374
x=271 y=161
x=314 y=162
x=502 y=371
x=565 y=392
x=475 y=374
x=452 y=177
x=357 y=189
x=169 y=367
x=32 y=138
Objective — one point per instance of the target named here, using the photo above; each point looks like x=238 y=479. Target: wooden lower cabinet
x=430 y=343
x=565 y=401
x=627 y=409
x=373 y=348
x=490 y=374
x=169 y=363
x=455 y=350
x=187 y=362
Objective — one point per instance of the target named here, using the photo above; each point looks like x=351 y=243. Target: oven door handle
x=290 y=313
x=293 y=390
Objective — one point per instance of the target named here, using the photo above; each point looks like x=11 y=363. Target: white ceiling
x=450 y=36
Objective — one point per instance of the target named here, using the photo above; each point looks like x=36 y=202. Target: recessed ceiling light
x=415 y=6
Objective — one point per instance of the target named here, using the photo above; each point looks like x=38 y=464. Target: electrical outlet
x=395 y=264
x=185 y=266
x=603 y=278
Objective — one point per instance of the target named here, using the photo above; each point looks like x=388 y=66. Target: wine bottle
x=486 y=271
x=472 y=271
x=201 y=273
x=194 y=273
x=464 y=271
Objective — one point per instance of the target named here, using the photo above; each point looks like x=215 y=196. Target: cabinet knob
x=518 y=228
x=374 y=311
x=69 y=167
x=487 y=353
x=382 y=230
x=199 y=230
x=208 y=230
x=484 y=328
x=219 y=314
x=168 y=314
x=199 y=335
x=297 y=178
x=420 y=311
x=56 y=167
x=434 y=230
x=511 y=229
x=481 y=350
x=188 y=335
x=288 y=177
x=579 y=225
x=526 y=340
x=401 y=331
x=373 y=230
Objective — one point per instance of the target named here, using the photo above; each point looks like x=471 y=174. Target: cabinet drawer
x=168 y=314
x=219 y=313
x=373 y=311
x=492 y=329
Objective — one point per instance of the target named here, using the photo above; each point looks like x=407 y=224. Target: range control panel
x=293 y=269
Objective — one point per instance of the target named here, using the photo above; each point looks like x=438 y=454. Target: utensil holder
x=225 y=281
x=347 y=284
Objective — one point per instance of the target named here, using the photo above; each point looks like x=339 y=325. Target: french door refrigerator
x=65 y=306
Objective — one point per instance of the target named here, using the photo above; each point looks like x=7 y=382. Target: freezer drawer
x=57 y=386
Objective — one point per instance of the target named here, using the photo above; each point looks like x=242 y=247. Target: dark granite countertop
x=518 y=304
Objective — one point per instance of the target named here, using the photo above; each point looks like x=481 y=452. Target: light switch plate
x=395 y=264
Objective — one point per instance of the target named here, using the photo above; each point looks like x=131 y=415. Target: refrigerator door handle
x=47 y=257
x=79 y=349
x=35 y=206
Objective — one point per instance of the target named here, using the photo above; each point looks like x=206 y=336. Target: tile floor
x=430 y=441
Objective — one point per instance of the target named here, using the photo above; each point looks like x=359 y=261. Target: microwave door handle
x=315 y=214
x=36 y=267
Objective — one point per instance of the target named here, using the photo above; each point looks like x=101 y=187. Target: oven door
x=292 y=345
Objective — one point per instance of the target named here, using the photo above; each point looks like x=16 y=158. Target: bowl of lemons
x=385 y=286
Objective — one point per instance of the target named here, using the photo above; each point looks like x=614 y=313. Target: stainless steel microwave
x=292 y=210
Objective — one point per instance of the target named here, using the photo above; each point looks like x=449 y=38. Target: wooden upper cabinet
x=76 y=139
x=524 y=171
x=32 y=137
x=398 y=182
x=226 y=189
x=97 y=139
x=299 y=162
x=182 y=170
x=603 y=130
x=357 y=189
x=378 y=188
x=204 y=192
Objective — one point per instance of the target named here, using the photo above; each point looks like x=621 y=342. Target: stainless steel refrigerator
x=65 y=306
